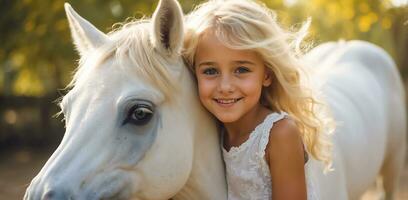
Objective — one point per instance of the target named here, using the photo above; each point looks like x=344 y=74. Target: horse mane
x=131 y=49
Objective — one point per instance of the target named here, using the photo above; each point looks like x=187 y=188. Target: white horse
x=134 y=126
x=366 y=95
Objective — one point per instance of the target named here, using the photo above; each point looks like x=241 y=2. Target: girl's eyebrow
x=207 y=63
x=240 y=62
x=243 y=62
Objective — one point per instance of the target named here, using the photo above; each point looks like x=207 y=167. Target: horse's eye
x=139 y=115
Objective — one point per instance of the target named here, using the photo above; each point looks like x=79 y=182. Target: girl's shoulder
x=284 y=139
x=277 y=121
x=284 y=130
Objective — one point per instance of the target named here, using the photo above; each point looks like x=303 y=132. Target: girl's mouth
x=227 y=101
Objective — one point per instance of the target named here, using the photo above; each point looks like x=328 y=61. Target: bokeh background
x=37 y=60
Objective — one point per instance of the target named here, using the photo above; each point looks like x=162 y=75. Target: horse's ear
x=86 y=37
x=167 y=33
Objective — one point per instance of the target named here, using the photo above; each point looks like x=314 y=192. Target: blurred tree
x=398 y=21
x=372 y=20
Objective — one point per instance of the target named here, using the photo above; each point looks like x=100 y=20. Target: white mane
x=131 y=48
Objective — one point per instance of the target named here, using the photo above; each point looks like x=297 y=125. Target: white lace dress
x=248 y=175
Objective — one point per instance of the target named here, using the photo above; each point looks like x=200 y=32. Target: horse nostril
x=49 y=195
x=56 y=195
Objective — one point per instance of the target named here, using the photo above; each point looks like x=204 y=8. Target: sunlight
x=289 y=3
x=400 y=2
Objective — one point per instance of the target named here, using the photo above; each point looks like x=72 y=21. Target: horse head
x=134 y=125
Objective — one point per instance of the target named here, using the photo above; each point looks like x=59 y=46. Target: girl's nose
x=226 y=85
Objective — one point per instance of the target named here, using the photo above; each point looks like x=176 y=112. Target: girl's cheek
x=205 y=87
x=202 y=87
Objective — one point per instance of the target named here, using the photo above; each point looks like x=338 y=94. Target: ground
x=18 y=167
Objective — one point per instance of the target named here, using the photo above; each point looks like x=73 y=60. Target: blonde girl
x=251 y=78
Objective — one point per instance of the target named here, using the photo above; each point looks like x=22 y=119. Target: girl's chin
x=226 y=119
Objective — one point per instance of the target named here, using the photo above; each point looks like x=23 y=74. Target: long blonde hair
x=246 y=24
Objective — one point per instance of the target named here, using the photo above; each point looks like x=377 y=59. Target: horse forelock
x=130 y=50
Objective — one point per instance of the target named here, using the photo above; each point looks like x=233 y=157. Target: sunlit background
x=37 y=60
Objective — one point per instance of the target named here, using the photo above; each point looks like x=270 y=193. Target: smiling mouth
x=227 y=101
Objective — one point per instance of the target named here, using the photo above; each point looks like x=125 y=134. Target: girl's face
x=229 y=81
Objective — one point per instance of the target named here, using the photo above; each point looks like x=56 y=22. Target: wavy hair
x=246 y=24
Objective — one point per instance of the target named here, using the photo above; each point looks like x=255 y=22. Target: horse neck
x=207 y=177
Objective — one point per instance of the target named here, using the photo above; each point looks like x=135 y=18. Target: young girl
x=251 y=79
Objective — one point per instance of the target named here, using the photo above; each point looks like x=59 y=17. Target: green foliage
x=370 y=20
x=36 y=52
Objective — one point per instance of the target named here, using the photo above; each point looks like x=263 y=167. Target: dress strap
x=266 y=129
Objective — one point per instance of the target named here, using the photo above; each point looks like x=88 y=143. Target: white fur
x=365 y=92
x=162 y=16
x=85 y=35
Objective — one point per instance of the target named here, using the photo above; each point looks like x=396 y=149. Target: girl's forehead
x=208 y=39
x=211 y=47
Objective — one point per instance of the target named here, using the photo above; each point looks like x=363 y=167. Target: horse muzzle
x=117 y=184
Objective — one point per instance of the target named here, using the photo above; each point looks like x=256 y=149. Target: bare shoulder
x=284 y=154
x=284 y=130
x=284 y=140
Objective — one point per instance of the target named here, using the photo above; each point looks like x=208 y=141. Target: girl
x=251 y=79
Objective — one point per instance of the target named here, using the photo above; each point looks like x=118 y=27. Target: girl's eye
x=210 y=71
x=241 y=70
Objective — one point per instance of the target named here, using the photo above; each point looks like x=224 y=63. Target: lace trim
x=263 y=142
x=252 y=135
x=267 y=129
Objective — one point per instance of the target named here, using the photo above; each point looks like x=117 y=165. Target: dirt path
x=18 y=167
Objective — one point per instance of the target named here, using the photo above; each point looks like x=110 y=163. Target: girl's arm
x=285 y=156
